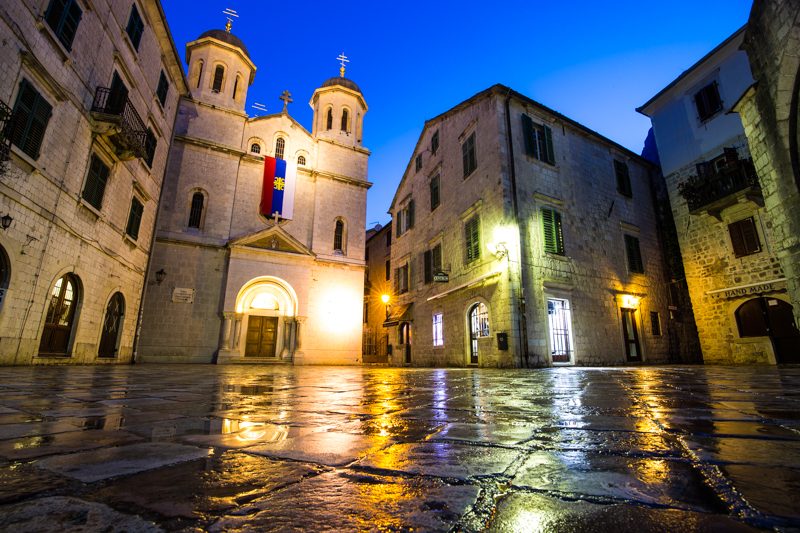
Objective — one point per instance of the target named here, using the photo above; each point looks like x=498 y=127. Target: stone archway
x=264 y=322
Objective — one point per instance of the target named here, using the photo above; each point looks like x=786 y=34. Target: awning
x=476 y=281
x=399 y=313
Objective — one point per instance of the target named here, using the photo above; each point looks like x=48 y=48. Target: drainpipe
x=523 y=249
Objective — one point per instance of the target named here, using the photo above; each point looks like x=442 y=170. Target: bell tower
x=339 y=109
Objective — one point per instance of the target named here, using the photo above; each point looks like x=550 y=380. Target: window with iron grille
x=196 y=211
x=280 y=144
x=135 y=27
x=63 y=17
x=468 y=157
x=301 y=160
x=538 y=140
x=655 y=324
x=150 y=144
x=29 y=119
x=744 y=237
x=634 y=254
x=96 y=180
x=433 y=262
x=255 y=148
x=623 y=178
x=435 y=192
x=438 y=329
x=435 y=141
x=163 y=89
x=472 y=239
x=134 y=218
x=338 y=236
x=219 y=75
x=552 y=231
x=708 y=101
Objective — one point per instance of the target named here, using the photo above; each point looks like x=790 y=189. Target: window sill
x=130 y=241
x=48 y=32
x=159 y=105
x=29 y=163
x=53 y=355
x=558 y=257
x=134 y=51
x=89 y=207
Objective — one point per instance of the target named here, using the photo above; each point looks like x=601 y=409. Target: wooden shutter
x=744 y=237
x=472 y=239
x=548 y=139
x=398 y=221
x=163 y=88
x=69 y=27
x=410 y=214
x=465 y=157
x=96 y=181
x=150 y=147
x=436 y=258
x=623 y=178
x=428 y=262
x=55 y=14
x=634 y=254
x=134 y=218
x=551 y=229
x=528 y=135
x=29 y=120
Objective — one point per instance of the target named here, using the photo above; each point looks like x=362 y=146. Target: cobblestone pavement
x=221 y=448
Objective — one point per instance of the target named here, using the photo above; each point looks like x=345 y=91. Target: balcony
x=5 y=135
x=714 y=189
x=118 y=120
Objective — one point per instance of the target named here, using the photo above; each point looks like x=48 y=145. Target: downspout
x=520 y=298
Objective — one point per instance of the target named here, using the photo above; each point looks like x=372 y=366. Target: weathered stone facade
x=63 y=229
x=714 y=193
x=558 y=291
x=228 y=268
x=769 y=112
x=377 y=284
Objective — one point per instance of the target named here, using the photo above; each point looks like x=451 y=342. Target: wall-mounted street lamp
x=385 y=300
x=161 y=275
x=5 y=221
x=500 y=250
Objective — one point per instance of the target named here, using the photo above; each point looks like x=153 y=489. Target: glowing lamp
x=630 y=301
x=385 y=298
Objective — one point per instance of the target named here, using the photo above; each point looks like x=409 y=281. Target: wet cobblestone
x=236 y=448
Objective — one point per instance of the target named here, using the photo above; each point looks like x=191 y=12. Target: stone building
x=228 y=284
x=727 y=237
x=377 y=293
x=88 y=96
x=522 y=238
x=769 y=112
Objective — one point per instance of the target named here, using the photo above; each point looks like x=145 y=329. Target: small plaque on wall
x=182 y=295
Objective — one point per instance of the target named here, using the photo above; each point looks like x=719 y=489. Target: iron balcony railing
x=132 y=133
x=703 y=191
x=5 y=134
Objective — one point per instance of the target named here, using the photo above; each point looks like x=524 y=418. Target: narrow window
x=438 y=330
x=418 y=163
x=744 y=237
x=468 y=157
x=345 y=120
x=163 y=89
x=199 y=73
x=623 y=178
x=255 y=148
x=280 y=144
x=135 y=27
x=634 y=255
x=63 y=17
x=235 y=86
x=708 y=101
x=196 y=211
x=338 y=237
x=96 y=180
x=401 y=279
x=134 y=219
x=29 y=119
x=150 y=147
x=655 y=324
x=388 y=270
x=435 y=200
x=219 y=73
x=329 y=120
x=435 y=142
x=472 y=239
x=301 y=160
x=538 y=140
x=433 y=262
x=388 y=238
x=552 y=231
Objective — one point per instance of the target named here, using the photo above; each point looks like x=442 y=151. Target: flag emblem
x=277 y=188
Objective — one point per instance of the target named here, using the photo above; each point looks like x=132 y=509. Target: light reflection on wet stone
x=249 y=448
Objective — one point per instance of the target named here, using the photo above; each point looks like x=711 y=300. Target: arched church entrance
x=773 y=318
x=266 y=309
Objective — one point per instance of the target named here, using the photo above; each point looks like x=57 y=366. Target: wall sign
x=182 y=295
x=748 y=290
x=441 y=277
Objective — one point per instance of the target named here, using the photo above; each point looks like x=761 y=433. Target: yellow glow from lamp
x=385 y=298
x=630 y=301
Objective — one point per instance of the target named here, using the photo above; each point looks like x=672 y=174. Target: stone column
x=298 y=338
x=287 y=331
x=227 y=322
x=237 y=331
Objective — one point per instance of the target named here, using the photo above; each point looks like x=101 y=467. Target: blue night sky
x=592 y=61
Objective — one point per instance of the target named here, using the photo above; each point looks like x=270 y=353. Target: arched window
x=60 y=319
x=112 y=326
x=338 y=237
x=255 y=148
x=199 y=72
x=235 y=86
x=345 y=120
x=196 y=211
x=280 y=144
x=5 y=275
x=219 y=73
x=329 y=120
x=301 y=160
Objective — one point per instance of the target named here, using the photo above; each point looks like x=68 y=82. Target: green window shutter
x=134 y=218
x=55 y=14
x=528 y=135
x=398 y=221
x=435 y=196
x=135 y=27
x=552 y=232
x=548 y=139
x=744 y=237
x=150 y=144
x=634 y=254
x=472 y=239
x=410 y=214
x=163 y=88
x=69 y=26
x=29 y=120
x=436 y=258
x=428 y=262
x=96 y=180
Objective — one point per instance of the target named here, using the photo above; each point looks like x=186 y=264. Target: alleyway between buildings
x=346 y=448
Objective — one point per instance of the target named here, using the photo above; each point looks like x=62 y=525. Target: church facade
x=228 y=284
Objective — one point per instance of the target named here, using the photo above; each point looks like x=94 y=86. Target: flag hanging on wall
x=277 y=189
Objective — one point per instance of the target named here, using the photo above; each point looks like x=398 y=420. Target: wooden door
x=783 y=331
x=261 y=336
x=633 y=351
x=112 y=325
x=60 y=317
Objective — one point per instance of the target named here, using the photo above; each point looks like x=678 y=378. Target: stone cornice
x=339 y=177
x=210 y=145
x=359 y=149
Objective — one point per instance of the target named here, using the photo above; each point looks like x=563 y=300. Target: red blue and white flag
x=277 y=189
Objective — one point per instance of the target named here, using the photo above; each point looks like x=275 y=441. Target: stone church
x=228 y=284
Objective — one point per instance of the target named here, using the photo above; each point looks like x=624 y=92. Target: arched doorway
x=405 y=340
x=60 y=318
x=267 y=308
x=478 y=321
x=5 y=275
x=773 y=318
x=112 y=326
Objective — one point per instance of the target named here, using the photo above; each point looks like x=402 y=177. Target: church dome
x=342 y=82
x=226 y=37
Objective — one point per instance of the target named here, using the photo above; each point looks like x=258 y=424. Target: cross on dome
x=286 y=96
x=342 y=59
